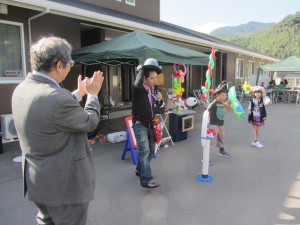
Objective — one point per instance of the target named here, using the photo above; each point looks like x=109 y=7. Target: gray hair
x=48 y=51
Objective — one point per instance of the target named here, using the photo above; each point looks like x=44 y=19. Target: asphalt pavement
x=254 y=187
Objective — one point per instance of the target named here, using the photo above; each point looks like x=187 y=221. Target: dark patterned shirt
x=216 y=113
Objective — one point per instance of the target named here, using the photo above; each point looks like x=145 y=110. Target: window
x=130 y=2
x=12 y=57
x=251 y=68
x=239 y=68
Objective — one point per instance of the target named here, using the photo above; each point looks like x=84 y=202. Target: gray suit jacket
x=51 y=125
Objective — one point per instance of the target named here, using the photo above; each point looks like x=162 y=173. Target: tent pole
x=257 y=77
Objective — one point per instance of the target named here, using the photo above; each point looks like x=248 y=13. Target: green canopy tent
x=136 y=47
x=291 y=64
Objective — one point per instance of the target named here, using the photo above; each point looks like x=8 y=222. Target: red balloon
x=213 y=55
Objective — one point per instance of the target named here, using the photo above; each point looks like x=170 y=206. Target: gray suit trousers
x=75 y=214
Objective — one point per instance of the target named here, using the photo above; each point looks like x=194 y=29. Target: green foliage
x=231 y=32
x=280 y=41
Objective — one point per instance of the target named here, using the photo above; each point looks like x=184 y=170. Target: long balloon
x=211 y=65
x=235 y=104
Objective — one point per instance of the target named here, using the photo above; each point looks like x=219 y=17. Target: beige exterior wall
x=65 y=28
x=56 y=25
x=231 y=67
x=14 y=15
x=70 y=29
x=147 y=9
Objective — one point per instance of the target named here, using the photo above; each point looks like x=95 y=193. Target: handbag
x=267 y=100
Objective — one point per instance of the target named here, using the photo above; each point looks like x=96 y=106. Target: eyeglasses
x=71 y=63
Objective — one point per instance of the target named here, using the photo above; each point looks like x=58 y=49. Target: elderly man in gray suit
x=57 y=165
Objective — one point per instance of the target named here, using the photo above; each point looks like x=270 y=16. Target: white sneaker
x=256 y=144
x=259 y=145
x=253 y=144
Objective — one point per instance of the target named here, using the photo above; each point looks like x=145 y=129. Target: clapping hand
x=81 y=86
x=93 y=85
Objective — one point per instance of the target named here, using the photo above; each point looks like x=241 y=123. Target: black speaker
x=175 y=127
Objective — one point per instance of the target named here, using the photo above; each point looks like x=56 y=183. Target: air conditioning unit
x=8 y=127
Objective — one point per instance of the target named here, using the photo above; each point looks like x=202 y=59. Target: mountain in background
x=280 y=41
x=230 y=32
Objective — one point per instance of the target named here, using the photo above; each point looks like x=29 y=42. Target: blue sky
x=206 y=16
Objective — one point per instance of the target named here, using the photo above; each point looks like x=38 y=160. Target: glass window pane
x=251 y=68
x=11 y=52
x=130 y=2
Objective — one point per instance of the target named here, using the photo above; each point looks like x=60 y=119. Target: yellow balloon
x=176 y=92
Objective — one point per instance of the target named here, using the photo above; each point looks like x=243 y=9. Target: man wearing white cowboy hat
x=145 y=105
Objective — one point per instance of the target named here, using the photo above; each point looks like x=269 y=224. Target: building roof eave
x=83 y=14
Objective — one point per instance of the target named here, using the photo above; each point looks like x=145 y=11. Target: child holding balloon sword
x=216 y=113
x=257 y=114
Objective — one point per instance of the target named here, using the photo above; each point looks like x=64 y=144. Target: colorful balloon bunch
x=178 y=78
x=248 y=89
x=211 y=65
x=235 y=104
x=211 y=133
x=258 y=88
